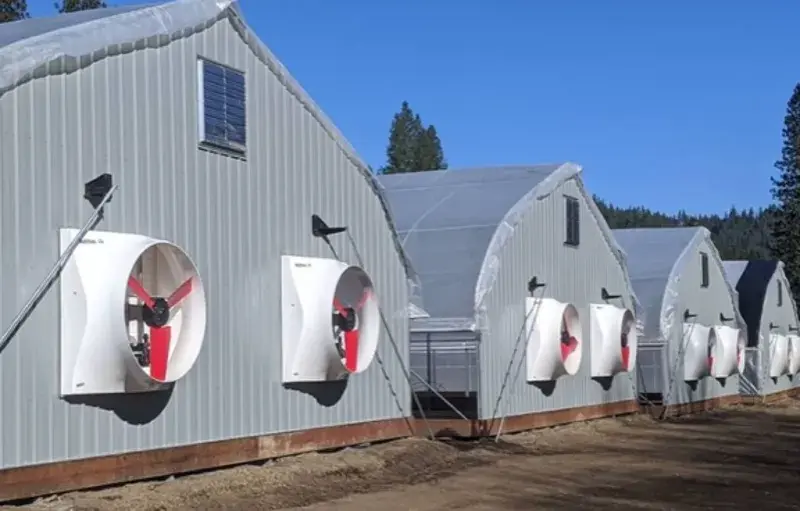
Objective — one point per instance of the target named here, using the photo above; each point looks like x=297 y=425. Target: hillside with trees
x=737 y=234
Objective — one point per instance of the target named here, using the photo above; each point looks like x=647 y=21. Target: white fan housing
x=793 y=345
x=111 y=340
x=778 y=355
x=330 y=319
x=554 y=339
x=699 y=345
x=727 y=352
x=613 y=340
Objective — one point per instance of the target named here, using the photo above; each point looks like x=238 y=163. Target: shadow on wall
x=546 y=387
x=137 y=408
x=326 y=393
x=604 y=381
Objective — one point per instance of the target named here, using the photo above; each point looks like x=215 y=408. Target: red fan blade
x=339 y=307
x=180 y=293
x=351 y=350
x=139 y=291
x=710 y=363
x=626 y=357
x=159 y=352
x=567 y=348
x=363 y=299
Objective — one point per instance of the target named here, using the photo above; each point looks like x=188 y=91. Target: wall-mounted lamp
x=534 y=284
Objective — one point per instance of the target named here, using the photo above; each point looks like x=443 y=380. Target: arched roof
x=29 y=46
x=655 y=259
x=453 y=223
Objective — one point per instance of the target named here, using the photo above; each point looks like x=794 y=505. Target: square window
x=573 y=221
x=704 y=269
x=222 y=107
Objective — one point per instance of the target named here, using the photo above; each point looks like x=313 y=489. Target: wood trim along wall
x=59 y=477
x=480 y=428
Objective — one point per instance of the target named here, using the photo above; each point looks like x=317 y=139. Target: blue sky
x=672 y=106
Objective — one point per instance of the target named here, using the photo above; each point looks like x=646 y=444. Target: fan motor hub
x=346 y=321
x=158 y=315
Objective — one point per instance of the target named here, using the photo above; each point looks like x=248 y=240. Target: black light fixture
x=723 y=319
x=687 y=315
x=320 y=229
x=604 y=294
x=534 y=284
x=793 y=329
x=96 y=189
x=772 y=326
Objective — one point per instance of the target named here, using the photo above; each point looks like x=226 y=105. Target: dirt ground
x=744 y=457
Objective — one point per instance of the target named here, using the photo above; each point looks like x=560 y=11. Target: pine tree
x=412 y=146
x=79 y=5
x=403 y=136
x=13 y=10
x=786 y=192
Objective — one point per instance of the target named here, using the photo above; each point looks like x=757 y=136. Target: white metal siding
x=707 y=303
x=573 y=274
x=782 y=316
x=135 y=115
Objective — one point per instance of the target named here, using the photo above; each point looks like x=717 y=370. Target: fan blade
x=339 y=307
x=159 y=352
x=182 y=292
x=710 y=363
x=363 y=299
x=351 y=350
x=626 y=357
x=139 y=291
x=567 y=348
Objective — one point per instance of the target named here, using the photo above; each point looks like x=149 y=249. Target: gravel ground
x=743 y=457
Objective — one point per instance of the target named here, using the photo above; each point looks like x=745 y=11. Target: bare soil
x=743 y=457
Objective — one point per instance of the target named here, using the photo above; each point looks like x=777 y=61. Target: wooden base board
x=37 y=480
x=691 y=408
x=771 y=398
x=461 y=428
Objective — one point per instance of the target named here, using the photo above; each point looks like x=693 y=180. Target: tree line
x=15 y=10
x=770 y=232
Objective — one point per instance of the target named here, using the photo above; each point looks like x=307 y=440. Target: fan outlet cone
x=794 y=353
x=727 y=352
x=778 y=355
x=613 y=340
x=133 y=314
x=554 y=339
x=699 y=343
x=330 y=324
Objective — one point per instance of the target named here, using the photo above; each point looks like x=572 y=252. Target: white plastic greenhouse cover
x=656 y=257
x=454 y=223
x=29 y=46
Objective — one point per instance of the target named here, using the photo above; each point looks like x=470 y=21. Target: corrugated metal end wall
x=134 y=115
x=573 y=274
x=708 y=303
x=757 y=380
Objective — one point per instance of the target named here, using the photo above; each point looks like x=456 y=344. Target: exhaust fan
x=133 y=314
x=779 y=355
x=700 y=347
x=727 y=354
x=555 y=339
x=331 y=319
x=793 y=347
x=613 y=340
